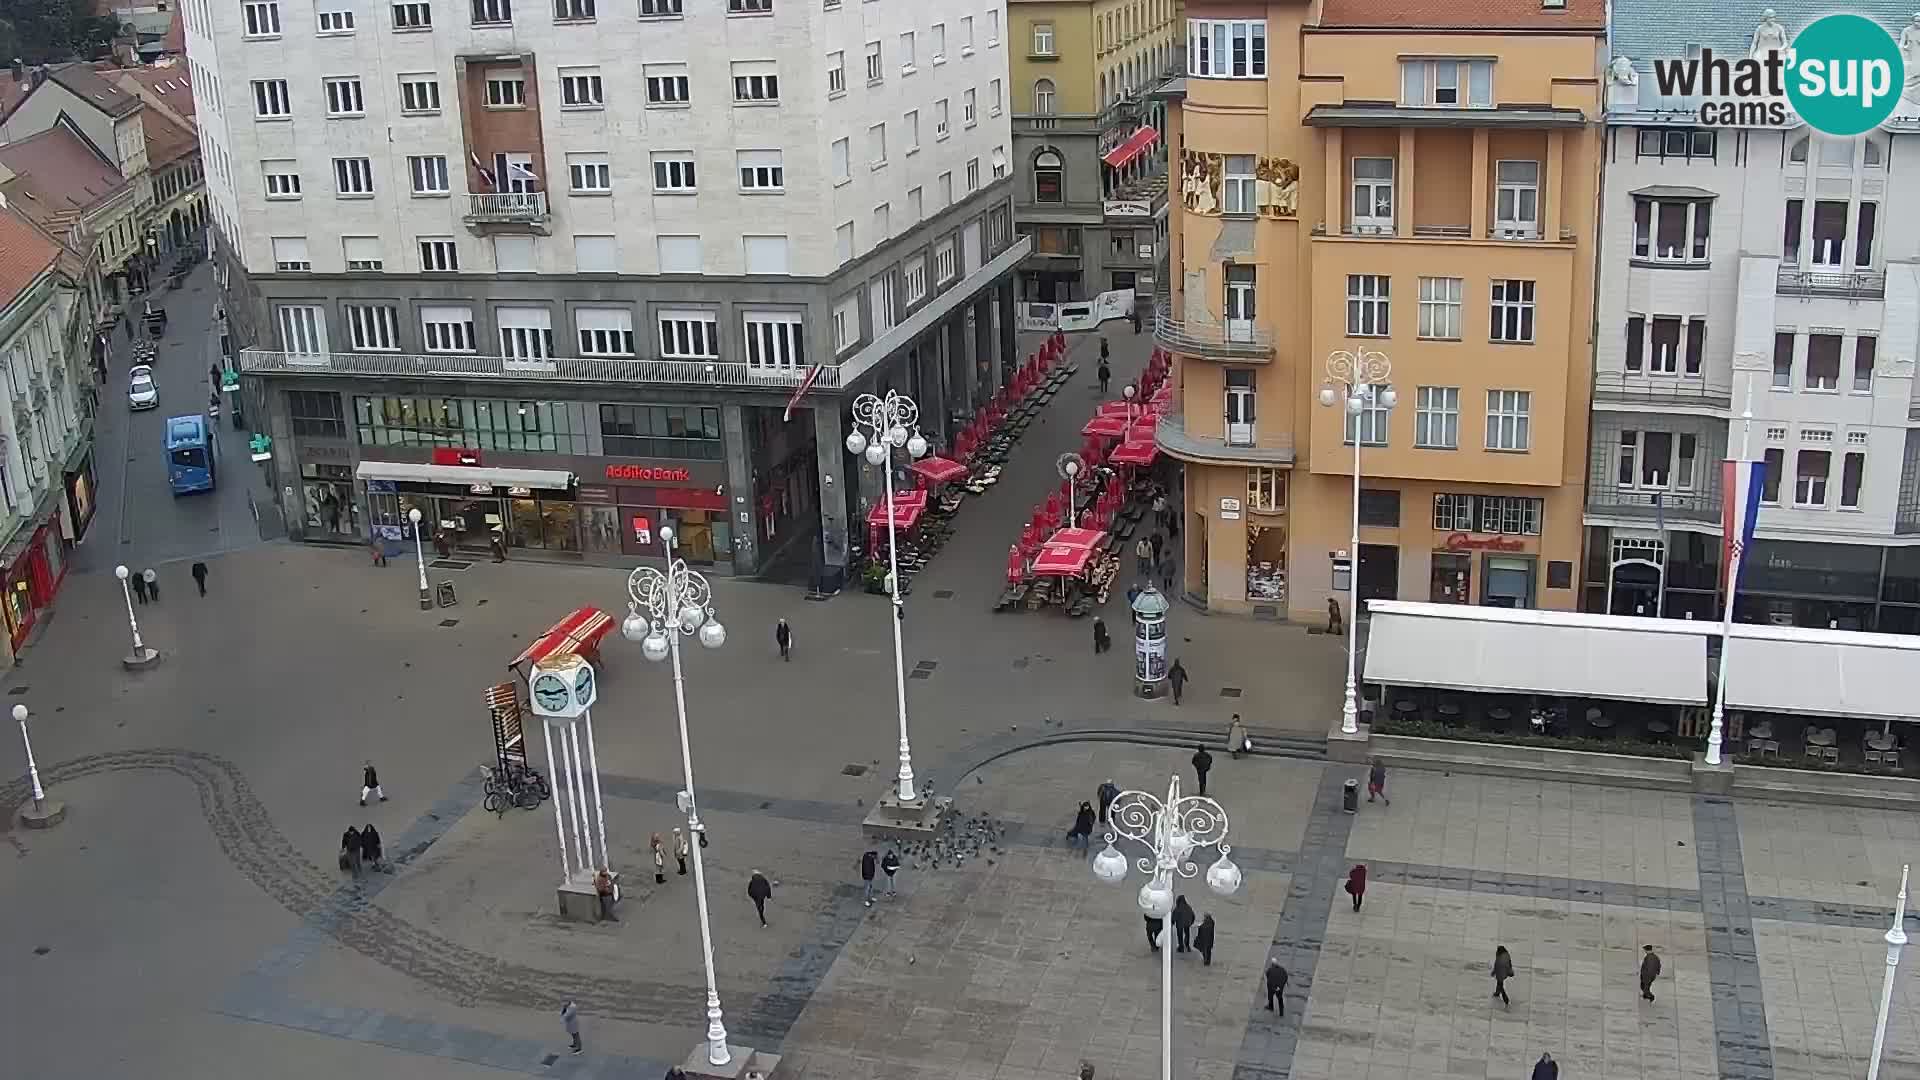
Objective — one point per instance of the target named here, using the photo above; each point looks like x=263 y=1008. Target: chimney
x=19 y=72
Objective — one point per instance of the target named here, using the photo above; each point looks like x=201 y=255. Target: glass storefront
x=551 y=525
x=327 y=494
x=1508 y=582
x=600 y=529
x=1451 y=578
x=700 y=536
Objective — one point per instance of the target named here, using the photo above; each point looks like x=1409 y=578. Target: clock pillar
x=562 y=689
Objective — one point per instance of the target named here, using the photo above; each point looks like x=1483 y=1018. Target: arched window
x=1799 y=151
x=1048 y=177
x=1043 y=97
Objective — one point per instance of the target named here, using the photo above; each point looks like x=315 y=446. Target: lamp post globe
x=1388 y=397
x=635 y=626
x=655 y=646
x=713 y=635
x=20 y=713
x=1156 y=897
x=413 y=515
x=1328 y=395
x=876 y=454
x=856 y=443
x=917 y=445
x=1110 y=865
x=1224 y=877
x=897 y=435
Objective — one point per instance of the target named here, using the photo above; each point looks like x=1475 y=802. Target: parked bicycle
x=516 y=785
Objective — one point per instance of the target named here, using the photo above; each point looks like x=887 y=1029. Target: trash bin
x=1350 y=797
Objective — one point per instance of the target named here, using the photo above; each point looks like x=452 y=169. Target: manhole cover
x=853 y=770
x=456 y=622
x=920 y=673
x=926 y=665
x=1229 y=691
x=450 y=564
x=943 y=594
x=17 y=691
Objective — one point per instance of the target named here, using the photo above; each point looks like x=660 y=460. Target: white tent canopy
x=1831 y=673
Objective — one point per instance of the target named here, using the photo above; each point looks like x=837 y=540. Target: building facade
x=1089 y=157
x=179 y=216
x=1762 y=272
x=1359 y=180
x=531 y=265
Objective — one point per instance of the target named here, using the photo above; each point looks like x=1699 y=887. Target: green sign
x=262 y=447
x=229 y=380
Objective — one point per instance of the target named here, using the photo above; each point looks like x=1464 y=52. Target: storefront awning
x=1502 y=651
x=1135 y=145
x=470 y=475
x=1835 y=673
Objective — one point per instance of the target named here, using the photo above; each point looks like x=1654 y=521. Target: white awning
x=1834 y=673
x=1501 y=651
x=469 y=475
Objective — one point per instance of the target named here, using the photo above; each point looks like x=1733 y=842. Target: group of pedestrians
x=1153 y=558
x=146 y=583
x=681 y=850
x=1187 y=936
x=888 y=864
x=360 y=850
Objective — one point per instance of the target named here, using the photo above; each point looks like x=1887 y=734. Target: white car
x=141 y=392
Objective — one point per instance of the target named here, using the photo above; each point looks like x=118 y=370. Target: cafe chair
x=1813 y=751
x=1771 y=746
x=1873 y=757
x=1832 y=754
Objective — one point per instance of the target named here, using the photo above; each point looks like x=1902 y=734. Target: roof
x=25 y=254
x=169 y=84
x=88 y=84
x=175 y=43
x=166 y=141
x=57 y=171
x=1578 y=16
x=1644 y=29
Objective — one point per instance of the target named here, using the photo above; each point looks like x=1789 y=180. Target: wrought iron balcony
x=1247 y=342
x=1652 y=391
x=507 y=208
x=1907 y=521
x=1847 y=284
x=557 y=369
x=1694 y=506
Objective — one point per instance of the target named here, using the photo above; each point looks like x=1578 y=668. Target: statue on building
x=1910 y=55
x=1769 y=36
x=1276 y=187
x=1621 y=72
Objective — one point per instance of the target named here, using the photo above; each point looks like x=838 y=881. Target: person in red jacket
x=1357 y=885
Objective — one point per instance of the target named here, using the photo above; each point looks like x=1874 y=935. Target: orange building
x=1413 y=187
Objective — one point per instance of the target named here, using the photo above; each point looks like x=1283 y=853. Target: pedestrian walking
x=603 y=888
x=350 y=850
x=1166 y=573
x=1649 y=971
x=1377 y=781
x=1177 y=678
x=200 y=577
x=1502 y=971
x=371 y=851
x=1154 y=926
x=139 y=588
x=890 y=865
x=1101 y=642
x=1276 y=985
x=869 y=863
x=1136 y=320
x=153 y=583
x=1082 y=827
x=1202 y=764
x=783 y=637
x=680 y=849
x=570 y=1018
x=1237 y=741
x=1160 y=510
x=1143 y=558
x=1357 y=885
x=1335 y=625
x=1109 y=791
x=379 y=552
x=659 y=860
x=1546 y=1068
x=1106 y=376
x=1203 y=940
x=1183 y=919
x=759 y=889
x=1103 y=349
x=370 y=783
x=1158 y=543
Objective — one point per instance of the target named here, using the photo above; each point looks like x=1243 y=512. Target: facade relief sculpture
x=1276 y=186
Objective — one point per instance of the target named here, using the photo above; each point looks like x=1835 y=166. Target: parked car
x=141 y=391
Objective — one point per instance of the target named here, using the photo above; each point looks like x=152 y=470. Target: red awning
x=1135 y=145
x=1135 y=453
x=1115 y=408
x=579 y=632
x=905 y=514
x=1143 y=429
x=940 y=470
x=1110 y=426
x=1060 y=560
x=1086 y=538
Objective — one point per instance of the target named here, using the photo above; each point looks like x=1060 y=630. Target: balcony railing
x=1634 y=388
x=1849 y=284
x=1438 y=232
x=557 y=369
x=1696 y=506
x=1241 y=342
x=507 y=206
x=1267 y=449
x=1907 y=521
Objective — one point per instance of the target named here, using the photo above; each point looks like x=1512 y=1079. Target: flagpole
x=1738 y=549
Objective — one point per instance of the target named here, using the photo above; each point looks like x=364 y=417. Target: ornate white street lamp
x=420 y=557
x=1357 y=379
x=662 y=605
x=141 y=656
x=1171 y=831
x=1896 y=940
x=889 y=424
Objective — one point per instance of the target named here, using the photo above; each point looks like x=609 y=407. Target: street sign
x=262 y=447
x=229 y=380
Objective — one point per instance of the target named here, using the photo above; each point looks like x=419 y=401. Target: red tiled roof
x=90 y=86
x=166 y=140
x=169 y=85
x=25 y=254
x=1578 y=16
x=57 y=172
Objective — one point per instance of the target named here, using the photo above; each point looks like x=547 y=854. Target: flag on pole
x=486 y=174
x=1741 y=483
x=806 y=384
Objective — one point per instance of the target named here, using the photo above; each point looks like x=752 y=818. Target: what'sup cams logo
x=1841 y=74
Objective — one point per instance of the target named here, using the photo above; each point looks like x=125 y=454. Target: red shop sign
x=658 y=474
x=455 y=455
x=1467 y=542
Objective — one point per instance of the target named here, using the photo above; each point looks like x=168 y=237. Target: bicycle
x=513 y=790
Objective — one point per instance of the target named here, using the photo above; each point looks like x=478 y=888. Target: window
x=1373 y=195
x=993 y=28
x=282 y=179
x=447 y=329
x=1048 y=177
x=1043 y=97
x=846 y=324
x=689 y=335
x=1446 y=84
x=428 y=174
x=353 y=176
x=1042 y=39
x=1508 y=423
x=1440 y=308
x=999 y=162
x=362 y=253
x=526 y=333
x=916 y=279
x=1776 y=463
x=262 y=18
x=843 y=242
x=317 y=413
x=1369 y=425
x=373 y=327
x=413 y=15
x=290 y=254
x=967 y=108
x=944 y=264
x=1782 y=360
x=754 y=82
x=940 y=119
x=604 y=331
x=506 y=91
x=1829 y=232
x=1657 y=461
x=1823 y=362
x=1241 y=404
x=911 y=121
x=875 y=73
x=679 y=254
x=761 y=171
x=683 y=432
x=1810 y=478
x=1367 y=298
x=1517 y=200
x=1681 y=143
x=481 y=423
x=945 y=180
x=270 y=101
x=439 y=254
x=1666 y=337
x=882 y=222
x=1227 y=48
x=939 y=47
x=580 y=88
x=993 y=97
x=749 y=7
x=1379 y=507
x=1790 y=239
x=335 y=21
x=906 y=54
x=660 y=9
x=1863 y=234
x=1514 y=515
x=513 y=254
x=1671 y=230
x=1512 y=312
x=1266 y=490
x=877 y=146
x=916 y=205
x=973 y=174
x=842 y=160
x=1853 y=468
x=672 y=172
x=595 y=255
x=666 y=84
x=775 y=341
x=1436 y=415
x=966 y=35
x=590 y=174
x=1864 y=349
x=419 y=94
x=303 y=329
x=486 y=12
x=764 y=254
x=1237 y=191
x=836 y=74
x=573 y=10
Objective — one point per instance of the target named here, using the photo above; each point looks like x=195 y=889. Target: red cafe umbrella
x=1086 y=538
x=940 y=470
x=1061 y=560
x=1111 y=427
x=1114 y=408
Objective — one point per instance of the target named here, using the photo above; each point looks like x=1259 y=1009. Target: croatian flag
x=1741 y=483
x=806 y=384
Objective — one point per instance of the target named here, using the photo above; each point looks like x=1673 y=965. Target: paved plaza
x=187 y=920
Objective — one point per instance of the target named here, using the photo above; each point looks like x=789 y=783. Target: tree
x=52 y=31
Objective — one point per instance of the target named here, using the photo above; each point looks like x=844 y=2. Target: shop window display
x=600 y=529
x=1267 y=563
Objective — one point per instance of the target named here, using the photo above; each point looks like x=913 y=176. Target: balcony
x=1657 y=391
x=509 y=209
x=1690 y=506
x=1907 y=521
x=559 y=369
x=1270 y=450
x=1848 y=285
x=1246 y=343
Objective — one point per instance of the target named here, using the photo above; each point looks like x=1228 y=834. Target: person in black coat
x=1203 y=940
x=1502 y=971
x=370 y=849
x=1202 y=764
x=759 y=890
x=869 y=865
x=1183 y=918
x=1276 y=986
x=350 y=850
x=1101 y=641
x=1177 y=679
x=1546 y=1068
x=1154 y=926
x=1082 y=826
x=783 y=637
x=1109 y=791
x=200 y=577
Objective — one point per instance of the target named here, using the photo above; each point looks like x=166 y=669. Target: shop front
x=31 y=569
x=690 y=498
x=332 y=512
x=1491 y=570
x=77 y=478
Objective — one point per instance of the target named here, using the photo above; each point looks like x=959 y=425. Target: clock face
x=583 y=687
x=550 y=693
